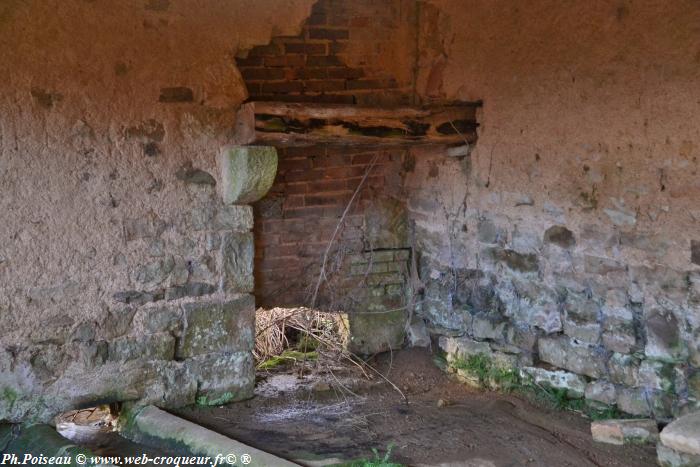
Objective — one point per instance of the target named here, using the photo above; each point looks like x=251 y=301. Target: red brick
x=323 y=60
x=345 y=72
x=343 y=172
x=293 y=164
x=293 y=201
x=296 y=188
x=362 y=158
x=249 y=61
x=274 y=263
x=262 y=73
x=324 y=85
x=264 y=50
x=305 y=151
x=303 y=213
x=338 y=47
x=312 y=73
x=328 y=199
x=332 y=160
x=298 y=176
x=371 y=84
x=331 y=34
x=327 y=185
x=309 y=48
x=290 y=60
x=282 y=87
x=277 y=251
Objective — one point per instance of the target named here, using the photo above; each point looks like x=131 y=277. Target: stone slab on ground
x=683 y=434
x=152 y=426
x=625 y=431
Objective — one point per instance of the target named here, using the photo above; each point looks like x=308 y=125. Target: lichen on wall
x=568 y=233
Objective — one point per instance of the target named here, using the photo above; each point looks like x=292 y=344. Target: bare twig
x=322 y=272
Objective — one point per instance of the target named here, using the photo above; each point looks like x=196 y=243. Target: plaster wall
x=591 y=126
x=111 y=116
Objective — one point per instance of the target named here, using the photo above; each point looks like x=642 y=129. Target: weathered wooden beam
x=281 y=123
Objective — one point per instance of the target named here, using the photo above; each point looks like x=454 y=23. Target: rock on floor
x=680 y=442
x=632 y=431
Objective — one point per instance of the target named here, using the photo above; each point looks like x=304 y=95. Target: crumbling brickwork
x=297 y=219
x=343 y=55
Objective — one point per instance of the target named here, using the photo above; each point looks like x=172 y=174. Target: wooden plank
x=292 y=123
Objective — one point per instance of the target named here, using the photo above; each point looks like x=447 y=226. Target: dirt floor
x=441 y=422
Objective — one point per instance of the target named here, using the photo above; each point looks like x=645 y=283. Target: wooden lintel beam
x=294 y=123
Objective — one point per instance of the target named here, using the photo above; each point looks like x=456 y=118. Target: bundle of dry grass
x=314 y=330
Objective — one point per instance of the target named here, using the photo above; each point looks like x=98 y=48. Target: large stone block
x=461 y=348
x=624 y=369
x=237 y=251
x=247 y=173
x=634 y=401
x=683 y=434
x=565 y=353
x=574 y=385
x=663 y=336
x=223 y=377
x=370 y=333
x=581 y=318
x=215 y=326
x=626 y=431
x=159 y=346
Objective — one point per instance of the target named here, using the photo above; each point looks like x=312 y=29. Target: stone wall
x=123 y=275
x=569 y=235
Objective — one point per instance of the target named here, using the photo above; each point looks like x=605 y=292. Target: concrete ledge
x=155 y=427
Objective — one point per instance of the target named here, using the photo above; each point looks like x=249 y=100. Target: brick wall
x=346 y=54
x=296 y=220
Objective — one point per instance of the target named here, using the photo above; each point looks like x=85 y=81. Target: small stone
x=320 y=386
x=626 y=431
x=417 y=333
x=560 y=236
x=442 y=403
x=189 y=174
x=683 y=434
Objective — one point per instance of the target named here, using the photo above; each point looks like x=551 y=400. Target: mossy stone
x=247 y=173
x=371 y=333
